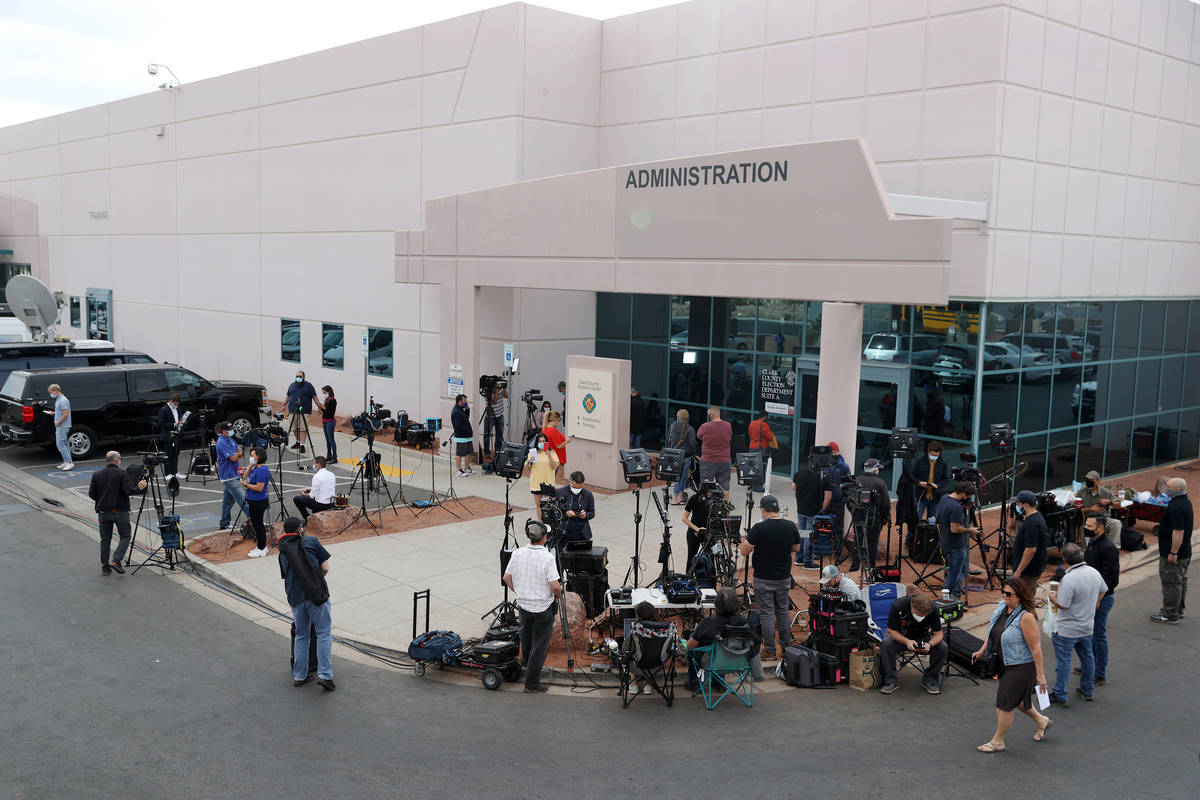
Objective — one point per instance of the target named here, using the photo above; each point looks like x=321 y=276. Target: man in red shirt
x=761 y=438
x=714 y=437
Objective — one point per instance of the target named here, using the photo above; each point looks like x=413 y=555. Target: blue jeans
x=60 y=440
x=956 y=570
x=304 y=615
x=1063 y=646
x=805 y=524
x=1100 y=636
x=924 y=506
x=635 y=441
x=328 y=425
x=681 y=483
x=231 y=494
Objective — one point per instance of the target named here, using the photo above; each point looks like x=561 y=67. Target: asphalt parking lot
x=198 y=502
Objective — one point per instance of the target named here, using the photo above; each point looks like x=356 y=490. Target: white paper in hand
x=1043 y=698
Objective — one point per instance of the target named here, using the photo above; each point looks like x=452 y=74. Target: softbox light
x=670 y=463
x=904 y=443
x=821 y=456
x=636 y=464
x=750 y=468
x=510 y=460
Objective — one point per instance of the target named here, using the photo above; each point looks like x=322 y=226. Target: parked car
x=85 y=353
x=894 y=347
x=1066 y=348
x=118 y=404
x=1006 y=355
x=954 y=366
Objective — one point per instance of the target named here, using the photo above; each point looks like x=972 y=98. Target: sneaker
x=303 y=680
x=68 y=467
x=225 y=527
x=810 y=566
x=931 y=687
x=296 y=446
x=1165 y=620
x=888 y=688
x=302 y=453
x=106 y=570
x=460 y=473
x=257 y=553
x=1059 y=702
x=767 y=655
x=117 y=568
x=60 y=466
x=1087 y=698
x=1077 y=671
x=326 y=683
x=470 y=471
x=541 y=688
x=1101 y=681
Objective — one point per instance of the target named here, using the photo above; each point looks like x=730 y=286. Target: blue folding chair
x=727 y=671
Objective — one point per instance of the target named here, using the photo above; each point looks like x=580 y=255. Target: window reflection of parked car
x=289 y=345
x=1083 y=401
x=1066 y=348
x=1006 y=355
x=679 y=341
x=333 y=350
x=380 y=360
x=954 y=366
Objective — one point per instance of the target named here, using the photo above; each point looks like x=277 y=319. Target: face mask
x=299 y=379
x=1091 y=483
x=576 y=491
x=933 y=457
x=919 y=617
x=541 y=445
x=325 y=395
x=251 y=461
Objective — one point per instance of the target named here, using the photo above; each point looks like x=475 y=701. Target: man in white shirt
x=320 y=496
x=532 y=575
x=1076 y=599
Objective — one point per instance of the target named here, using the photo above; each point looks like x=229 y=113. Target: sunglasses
x=1009 y=594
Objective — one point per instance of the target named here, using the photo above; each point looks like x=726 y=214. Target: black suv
x=119 y=403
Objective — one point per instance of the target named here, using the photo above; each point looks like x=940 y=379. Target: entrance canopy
x=808 y=221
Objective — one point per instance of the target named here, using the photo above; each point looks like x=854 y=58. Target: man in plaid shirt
x=532 y=574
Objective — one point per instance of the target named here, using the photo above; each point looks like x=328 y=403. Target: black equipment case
x=591 y=589
x=495 y=653
x=809 y=669
x=836 y=648
x=925 y=548
x=843 y=625
x=592 y=561
x=962 y=645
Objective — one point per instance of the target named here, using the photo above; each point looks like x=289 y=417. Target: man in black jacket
x=168 y=434
x=464 y=436
x=581 y=509
x=1102 y=556
x=110 y=489
x=932 y=476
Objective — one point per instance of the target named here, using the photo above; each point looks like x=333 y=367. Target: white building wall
x=1079 y=121
x=276 y=191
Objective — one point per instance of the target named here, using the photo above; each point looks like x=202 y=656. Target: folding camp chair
x=648 y=657
x=723 y=667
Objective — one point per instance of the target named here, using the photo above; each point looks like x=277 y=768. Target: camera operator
x=110 y=489
x=543 y=462
x=954 y=535
x=493 y=420
x=464 y=436
x=580 y=506
x=319 y=497
x=229 y=453
x=813 y=493
x=532 y=575
x=300 y=396
x=880 y=510
x=168 y=435
x=256 y=482
x=772 y=543
x=1029 y=545
x=695 y=515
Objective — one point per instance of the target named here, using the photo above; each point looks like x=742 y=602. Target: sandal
x=990 y=747
x=1041 y=732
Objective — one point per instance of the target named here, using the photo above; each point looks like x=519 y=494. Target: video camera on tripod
x=554 y=510
x=967 y=471
x=372 y=421
x=489 y=384
x=856 y=496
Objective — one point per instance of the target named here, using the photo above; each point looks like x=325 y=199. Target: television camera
x=490 y=383
x=967 y=471
x=372 y=421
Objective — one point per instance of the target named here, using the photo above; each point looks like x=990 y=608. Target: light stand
x=950 y=669
x=203 y=446
x=664 y=549
x=636 y=466
x=437 y=499
x=750 y=470
x=1003 y=440
x=505 y=612
x=298 y=421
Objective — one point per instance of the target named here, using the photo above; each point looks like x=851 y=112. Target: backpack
x=1132 y=539
x=435 y=646
x=309 y=577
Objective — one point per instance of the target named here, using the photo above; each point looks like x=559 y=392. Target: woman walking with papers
x=1015 y=642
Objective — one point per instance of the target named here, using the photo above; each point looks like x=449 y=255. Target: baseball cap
x=872 y=464
x=834 y=446
x=292 y=525
x=768 y=502
x=1026 y=496
x=828 y=573
x=1093 y=475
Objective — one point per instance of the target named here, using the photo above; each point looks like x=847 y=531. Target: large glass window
x=289 y=340
x=333 y=345
x=651 y=318
x=379 y=352
x=76 y=313
x=691 y=322
x=781 y=326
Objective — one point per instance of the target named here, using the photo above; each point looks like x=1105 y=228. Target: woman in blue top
x=256 y=482
x=1015 y=636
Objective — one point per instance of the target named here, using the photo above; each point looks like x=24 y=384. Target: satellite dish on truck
x=33 y=304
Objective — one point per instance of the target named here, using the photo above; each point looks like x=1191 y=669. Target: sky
x=59 y=55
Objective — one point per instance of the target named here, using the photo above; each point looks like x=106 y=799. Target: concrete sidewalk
x=372 y=580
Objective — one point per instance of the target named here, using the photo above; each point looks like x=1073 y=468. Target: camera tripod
x=202 y=446
x=505 y=612
x=439 y=499
x=163 y=556
x=998 y=566
x=296 y=425
x=664 y=549
x=365 y=475
x=635 y=568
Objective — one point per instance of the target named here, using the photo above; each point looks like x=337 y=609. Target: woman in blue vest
x=1014 y=635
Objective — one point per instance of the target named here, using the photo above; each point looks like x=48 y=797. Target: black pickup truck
x=120 y=403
